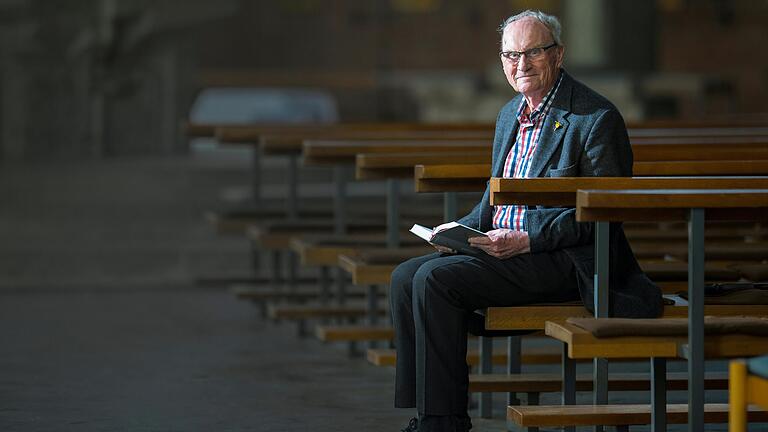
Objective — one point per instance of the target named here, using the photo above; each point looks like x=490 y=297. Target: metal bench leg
x=486 y=367
x=373 y=310
x=600 y=394
x=569 y=382
x=696 y=320
x=255 y=258
x=325 y=288
x=325 y=284
x=340 y=199
x=450 y=205
x=601 y=301
x=301 y=328
x=352 y=350
x=658 y=394
x=277 y=268
x=514 y=348
x=341 y=286
x=533 y=400
x=393 y=213
x=293 y=270
x=292 y=200
x=256 y=176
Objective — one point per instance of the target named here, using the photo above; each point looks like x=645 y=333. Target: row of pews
x=700 y=190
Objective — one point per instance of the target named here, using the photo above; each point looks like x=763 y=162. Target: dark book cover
x=456 y=237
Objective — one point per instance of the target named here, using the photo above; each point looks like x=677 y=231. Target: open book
x=455 y=236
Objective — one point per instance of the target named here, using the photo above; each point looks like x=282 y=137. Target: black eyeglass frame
x=508 y=54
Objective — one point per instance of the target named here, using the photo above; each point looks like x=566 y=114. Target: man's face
x=532 y=78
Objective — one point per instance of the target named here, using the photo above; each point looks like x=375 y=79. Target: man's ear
x=560 y=56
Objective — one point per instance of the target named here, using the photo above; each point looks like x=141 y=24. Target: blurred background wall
x=100 y=78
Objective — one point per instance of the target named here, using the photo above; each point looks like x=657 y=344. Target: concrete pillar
x=585 y=33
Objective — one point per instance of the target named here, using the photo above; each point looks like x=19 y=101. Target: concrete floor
x=103 y=328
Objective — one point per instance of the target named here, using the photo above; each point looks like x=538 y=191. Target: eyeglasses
x=530 y=54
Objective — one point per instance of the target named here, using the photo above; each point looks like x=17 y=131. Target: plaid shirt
x=520 y=156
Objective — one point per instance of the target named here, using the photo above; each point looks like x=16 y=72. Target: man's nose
x=522 y=62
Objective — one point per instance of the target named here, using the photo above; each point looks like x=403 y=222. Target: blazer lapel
x=554 y=129
x=501 y=156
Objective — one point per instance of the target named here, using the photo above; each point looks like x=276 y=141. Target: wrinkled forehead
x=524 y=34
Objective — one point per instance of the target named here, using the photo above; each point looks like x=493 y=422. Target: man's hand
x=440 y=248
x=503 y=243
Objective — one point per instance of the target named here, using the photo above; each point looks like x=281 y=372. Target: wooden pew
x=748 y=385
x=334 y=152
x=441 y=185
x=741 y=202
x=286 y=143
x=581 y=344
x=391 y=164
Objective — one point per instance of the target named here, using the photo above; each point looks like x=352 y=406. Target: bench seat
x=278 y=235
x=615 y=415
x=329 y=333
x=265 y=293
x=549 y=383
x=386 y=357
x=310 y=312
x=584 y=345
x=535 y=317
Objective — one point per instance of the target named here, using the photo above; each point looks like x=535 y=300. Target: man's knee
x=401 y=280
x=434 y=275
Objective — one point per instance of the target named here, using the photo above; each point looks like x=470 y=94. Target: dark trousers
x=430 y=299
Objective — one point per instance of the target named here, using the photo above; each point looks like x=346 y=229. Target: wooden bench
x=621 y=416
x=581 y=344
x=328 y=333
x=374 y=165
x=535 y=383
x=601 y=206
x=557 y=200
x=387 y=357
x=746 y=387
x=343 y=152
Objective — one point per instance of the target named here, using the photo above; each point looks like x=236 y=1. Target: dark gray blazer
x=590 y=141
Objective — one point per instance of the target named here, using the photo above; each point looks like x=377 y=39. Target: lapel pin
x=557 y=125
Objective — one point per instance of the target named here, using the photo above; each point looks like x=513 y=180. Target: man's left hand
x=503 y=243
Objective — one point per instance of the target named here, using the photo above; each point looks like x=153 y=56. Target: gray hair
x=550 y=21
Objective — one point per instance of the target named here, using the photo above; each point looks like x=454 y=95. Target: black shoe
x=413 y=426
x=447 y=423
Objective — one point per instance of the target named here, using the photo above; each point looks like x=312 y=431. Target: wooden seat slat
x=672 y=204
x=676 y=197
x=563 y=190
x=713 y=167
x=548 y=382
x=309 y=312
x=345 y=152
x=614 y=415
x=533 y=317
x=353 y=333
x=291 y=144
x=387 y=357
x=370 y=166
x=262 y=293
x=582 y=344
x=325 y=251
x=374 y=267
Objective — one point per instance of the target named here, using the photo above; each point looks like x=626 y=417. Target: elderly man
x=555 y=127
